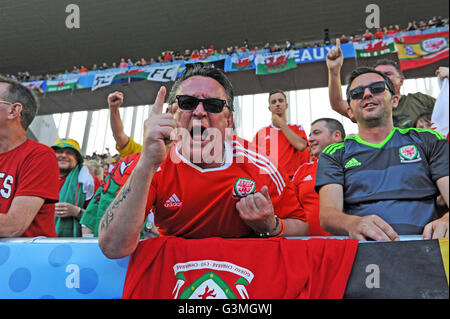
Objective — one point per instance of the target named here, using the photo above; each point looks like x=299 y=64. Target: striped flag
x=418 y=50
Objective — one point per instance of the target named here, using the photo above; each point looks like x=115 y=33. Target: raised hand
x=157 y=132
x=115 y=100
x=335 y=58
x=277 y=120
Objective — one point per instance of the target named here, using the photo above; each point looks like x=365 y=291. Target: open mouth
x=369 y=105
x=199 y=133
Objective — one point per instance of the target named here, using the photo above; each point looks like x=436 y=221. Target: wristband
x=80 y=213
x=283 y=228
x=268 y=234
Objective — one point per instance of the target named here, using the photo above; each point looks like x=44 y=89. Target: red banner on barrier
x=217 y=268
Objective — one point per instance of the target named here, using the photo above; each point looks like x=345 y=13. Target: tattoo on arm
x=109 y=214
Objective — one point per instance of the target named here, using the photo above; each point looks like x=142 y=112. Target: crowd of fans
x=273 y=186
x=205 y=52
x=101 y=164
x=388 y=181
x=80 y=177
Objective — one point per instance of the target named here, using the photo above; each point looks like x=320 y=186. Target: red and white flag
x=253 y=268
x=440 y=115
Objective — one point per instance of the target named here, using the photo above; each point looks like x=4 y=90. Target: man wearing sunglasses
x=383 y=182
x=28 y=169
x=200 y=179
x=409 y=106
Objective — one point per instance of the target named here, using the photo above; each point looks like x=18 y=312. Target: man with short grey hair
x=28 y=169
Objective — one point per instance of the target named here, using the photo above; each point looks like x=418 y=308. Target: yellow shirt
x=131 y=148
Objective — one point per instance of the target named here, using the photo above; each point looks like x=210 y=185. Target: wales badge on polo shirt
x=409 y=154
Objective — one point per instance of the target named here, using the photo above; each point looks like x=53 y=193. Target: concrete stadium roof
x=34 y=36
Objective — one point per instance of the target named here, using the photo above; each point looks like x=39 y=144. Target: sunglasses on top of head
x=211 y=105
x=374 y=88
x=6 y=102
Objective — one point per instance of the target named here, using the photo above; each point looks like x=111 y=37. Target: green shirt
x=410 y=107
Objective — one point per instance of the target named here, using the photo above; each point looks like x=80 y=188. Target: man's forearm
x=296 y=141
x=295 y=227
x=335 y=221
x=117 y=128
x=20 y=215
x=443 y=186
x=337 y=102
x=120 y=226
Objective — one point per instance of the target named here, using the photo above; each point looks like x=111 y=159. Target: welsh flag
x=130 y=76
x=34 y=86
x=55 y=86
x=240 y=62
x=105 y=79
x=275 y=62
x=218 y=268
x=418 y=50
x=374 y=48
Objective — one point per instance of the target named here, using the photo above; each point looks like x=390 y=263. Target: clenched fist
x=256 y=210
x=115 y=100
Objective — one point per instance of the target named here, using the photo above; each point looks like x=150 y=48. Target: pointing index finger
x=338 y=44
x=159 y=102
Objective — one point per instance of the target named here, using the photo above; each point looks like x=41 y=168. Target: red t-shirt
x=368 y=36
x=31 y=169
x=379 y=35
x=304 y=180
x=283 y=153
x=192 y=202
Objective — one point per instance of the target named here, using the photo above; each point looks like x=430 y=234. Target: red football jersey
x=31 y=169
x=195 y=203
x=282 y=153
x=304 y=180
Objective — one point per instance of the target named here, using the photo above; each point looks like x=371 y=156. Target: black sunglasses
x=374 y=88
x=211 y=105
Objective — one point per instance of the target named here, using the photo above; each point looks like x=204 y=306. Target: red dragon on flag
x=276 y=63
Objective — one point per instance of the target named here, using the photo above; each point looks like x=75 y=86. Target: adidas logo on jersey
x=173 y=201
x=308 y=178
x=352 y=163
